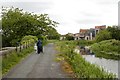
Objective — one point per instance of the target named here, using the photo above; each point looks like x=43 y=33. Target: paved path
x=38 y=66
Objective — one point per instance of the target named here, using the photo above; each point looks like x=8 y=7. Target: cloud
x=72 y=14
x=89 y=21
x=89 y=14
x=106 y=2
x=36 y=7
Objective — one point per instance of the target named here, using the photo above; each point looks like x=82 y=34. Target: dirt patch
x=66 y=67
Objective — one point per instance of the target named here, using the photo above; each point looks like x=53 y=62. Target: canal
x=107 y=64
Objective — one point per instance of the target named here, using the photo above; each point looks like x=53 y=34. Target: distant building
x=92 y=33
x=98 y=28
x=85 y=34
x=78 y=36
x=83 y=31
x=88 y=34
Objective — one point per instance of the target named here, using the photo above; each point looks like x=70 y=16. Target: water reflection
x=107 y=64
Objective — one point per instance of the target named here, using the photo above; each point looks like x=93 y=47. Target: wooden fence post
x=20 y=47
x=16 y=46
x=26 y=44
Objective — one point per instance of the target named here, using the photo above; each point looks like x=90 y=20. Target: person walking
x=39 y=46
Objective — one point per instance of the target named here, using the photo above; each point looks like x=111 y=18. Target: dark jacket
x=39 y=43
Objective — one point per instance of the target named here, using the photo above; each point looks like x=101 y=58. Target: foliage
x=115 y=32
x=68 y=37
x=110 y=33
x=85 y=42
x=103 y=35
x=107 y=49
x=30 y=39
x=16 y=23
x=52 y=41
x=53 y=34
x=13 y=58
x=81 y=68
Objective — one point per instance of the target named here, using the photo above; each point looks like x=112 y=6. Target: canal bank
x=109 y=65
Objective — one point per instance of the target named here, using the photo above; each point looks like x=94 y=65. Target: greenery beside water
x=109 y=49
x=81 y=68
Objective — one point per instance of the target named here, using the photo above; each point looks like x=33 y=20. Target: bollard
x=23 y=45
x=16 y=46
x=26 y=44
x=20 y=47
x=16 y=49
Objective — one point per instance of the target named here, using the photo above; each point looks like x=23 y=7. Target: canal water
x=107 y=64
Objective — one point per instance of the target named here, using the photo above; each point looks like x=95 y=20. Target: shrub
x=13 y=58
x=29 y=38
x=103 y=35
x=85 y=42
x=107 y=49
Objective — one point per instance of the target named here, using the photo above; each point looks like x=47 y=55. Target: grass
x=52 y=41
x=13 y=58
x=85 y=42
x=80 y=67
x=109 y=49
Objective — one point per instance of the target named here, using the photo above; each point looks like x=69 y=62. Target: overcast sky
x=72 y=15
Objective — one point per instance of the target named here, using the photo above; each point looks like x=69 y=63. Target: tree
x=103 y=35
x=68 y=37
x=52 y=33
x=115 y=32
x=16 y=24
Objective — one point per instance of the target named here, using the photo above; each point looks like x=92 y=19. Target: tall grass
x=85 y=42
x=13 y=58
x=80 y=66
x=109 y=49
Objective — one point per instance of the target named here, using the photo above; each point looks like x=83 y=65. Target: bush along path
x=80 y=67
x=14 y=58
x=38 y=66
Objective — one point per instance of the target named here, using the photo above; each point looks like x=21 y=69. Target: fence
x=17 y=49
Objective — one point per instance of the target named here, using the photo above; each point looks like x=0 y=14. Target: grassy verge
x=109 y=49
x=52 y=41
x=13 y=58
x=81 y=68
x=85 y=42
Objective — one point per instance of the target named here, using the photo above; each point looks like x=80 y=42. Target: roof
x=79 y=35
x=83 y=30
x=100 y=27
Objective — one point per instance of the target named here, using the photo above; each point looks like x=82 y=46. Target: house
x=98 y=28
x=83 y=34
x=91 y=33
x=83 y=31
x=78 y=36
x=88 y=34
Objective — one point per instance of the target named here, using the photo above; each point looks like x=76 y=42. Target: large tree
x=16 y=23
